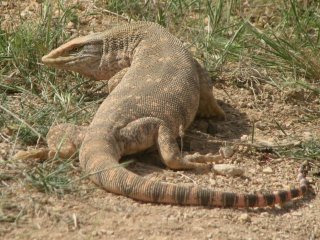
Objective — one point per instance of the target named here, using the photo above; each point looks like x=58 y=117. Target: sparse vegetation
x=266 y=53
x=309 y=150
x=51 y=177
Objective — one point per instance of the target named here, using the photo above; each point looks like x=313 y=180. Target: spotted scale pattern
x=156 y=89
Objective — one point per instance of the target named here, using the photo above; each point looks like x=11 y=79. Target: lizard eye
x=76 y=50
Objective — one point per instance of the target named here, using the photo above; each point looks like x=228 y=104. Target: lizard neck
x=119 y=47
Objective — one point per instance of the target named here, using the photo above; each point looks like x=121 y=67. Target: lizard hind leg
x=175 y=159
x=146 y=132
x=208 y=105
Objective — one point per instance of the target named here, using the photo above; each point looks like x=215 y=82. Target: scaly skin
x=156 y=90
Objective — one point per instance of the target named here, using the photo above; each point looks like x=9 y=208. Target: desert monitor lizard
x=156 y=90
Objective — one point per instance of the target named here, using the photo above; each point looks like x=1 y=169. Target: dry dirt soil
x=91 y=213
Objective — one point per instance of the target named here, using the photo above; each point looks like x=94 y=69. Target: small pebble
x=226 y=152
x=267 y=170
x=228 y=170
x=297 y=214
x=70 y=25
x=244 y=138
x=244 y=217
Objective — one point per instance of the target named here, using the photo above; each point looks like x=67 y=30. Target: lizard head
x=82 y=55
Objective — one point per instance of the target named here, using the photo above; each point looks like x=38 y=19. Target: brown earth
x=91 y=213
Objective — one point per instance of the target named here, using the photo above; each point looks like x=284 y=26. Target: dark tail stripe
x=283 y=196
x=294 y=193
x=229 y=199
x=270 y=199
x=158 y=193
x=124 y=185
x=137 y=181
x=181 y=194
x=251 y=200
x=205 y=197
x=304 y=189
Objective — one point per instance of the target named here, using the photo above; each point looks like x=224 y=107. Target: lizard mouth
x=52 y=60
x=63 y=55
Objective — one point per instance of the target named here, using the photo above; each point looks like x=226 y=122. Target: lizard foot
x=65 y=139
x=200 y=158
x=199 y=161
x=194 y=161
x=39 y=154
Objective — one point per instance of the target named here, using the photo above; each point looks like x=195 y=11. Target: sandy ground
x=91 y=213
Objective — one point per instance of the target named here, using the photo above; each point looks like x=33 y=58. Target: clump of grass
x=9 y=212
x=51 y=177
x=159 y=12
x=7 y=218
x=222 y=32
x=54 y=177
x=41 y=100
x=290 y=46
x=279 y=53
x=22 y=48
x=307 y=150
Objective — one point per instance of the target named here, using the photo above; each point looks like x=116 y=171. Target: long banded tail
x=119 y=180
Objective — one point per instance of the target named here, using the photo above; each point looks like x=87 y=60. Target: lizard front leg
x=116 y=79
x=66 y=139
x=63 y=140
